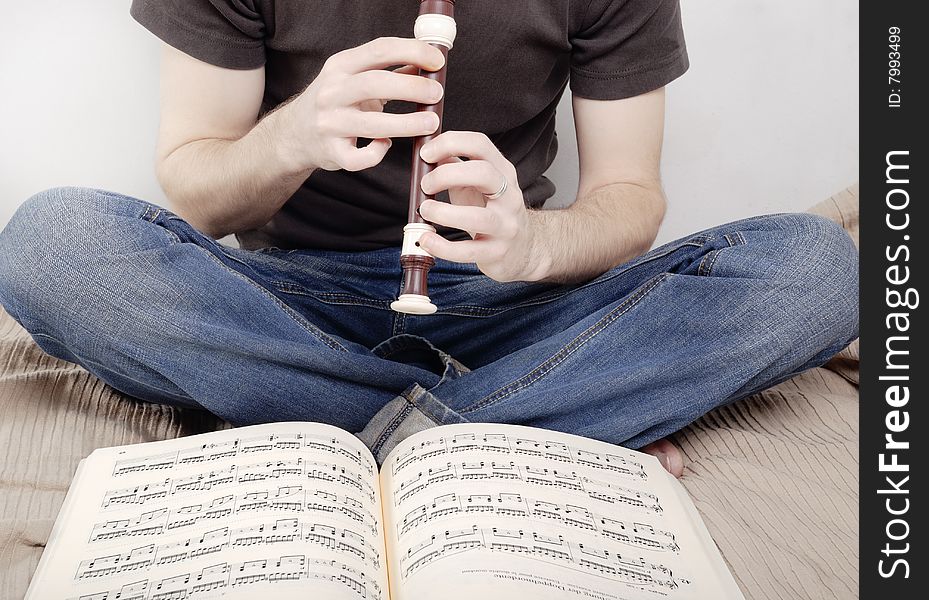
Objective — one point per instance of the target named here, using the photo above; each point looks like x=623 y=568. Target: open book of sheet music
x=300 y=510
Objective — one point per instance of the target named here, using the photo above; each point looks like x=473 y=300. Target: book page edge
x=711 y=550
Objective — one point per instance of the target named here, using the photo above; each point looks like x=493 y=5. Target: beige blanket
x=775 y=476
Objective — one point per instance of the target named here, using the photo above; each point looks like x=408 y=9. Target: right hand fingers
x=387 y=52
x=384 y=85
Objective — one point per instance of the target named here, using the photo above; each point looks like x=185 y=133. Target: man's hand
x=615 y=218
x=224 y=171
x=346 y=101
x=504 y=244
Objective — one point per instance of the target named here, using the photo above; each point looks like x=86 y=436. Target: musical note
x=306 y=444
x=510 y=506
x=552 y=501
x=603 y=491
x=295 y=470
x=538 y=546
x=499 y=444
x=251 y=514
x=284 y=499
x=224 y=575
x=281 y=531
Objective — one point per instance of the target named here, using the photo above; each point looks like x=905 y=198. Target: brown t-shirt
x=510 y=65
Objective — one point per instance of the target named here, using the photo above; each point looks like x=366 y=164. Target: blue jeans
x=163 y=313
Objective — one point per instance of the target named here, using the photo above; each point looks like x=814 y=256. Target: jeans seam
x=187 y=401
x=294 y=315
x=733 y=239
x=298 y=319
x=151 y=215
x=465 y=310
x=337 y=298
x=398 y=326
x=709 y=262
x=392 y=426
x=588 y=334
x=413 y=398
x=484 y=311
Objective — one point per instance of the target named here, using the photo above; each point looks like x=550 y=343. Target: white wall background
x=766 y=120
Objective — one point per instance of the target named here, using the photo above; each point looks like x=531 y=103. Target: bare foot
x=668 y=455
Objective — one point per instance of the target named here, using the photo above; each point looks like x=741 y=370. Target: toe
x=668 y=455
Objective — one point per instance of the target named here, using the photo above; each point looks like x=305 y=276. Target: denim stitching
x=714 y=256
x=735 y=240
x=173 y=237
x=702 y=268
x=560 y=356
x=426 y=412
x=309 y=327
x=468 y=309
x=170 y=234
x=399 y=323
x=340 y=298
x=299 y=319
x=711 y=262
x=392 y=426
x=146 y=213
x=84 y=360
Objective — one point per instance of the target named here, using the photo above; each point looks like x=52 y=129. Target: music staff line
x=508 y=505
x=296 y=470
x=292 y=499
x=596 y=489
x=224 y=576
x=500 y=444
x=531 y=544
x=281 y=531
x=205 y=453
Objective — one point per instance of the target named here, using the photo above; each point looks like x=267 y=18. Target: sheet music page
x=290 y=509
x=501 y=511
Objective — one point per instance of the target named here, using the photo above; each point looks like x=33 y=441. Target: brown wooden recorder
x=435 y=25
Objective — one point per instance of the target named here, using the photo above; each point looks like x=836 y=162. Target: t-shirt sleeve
x=623 y=48
x=225 y=33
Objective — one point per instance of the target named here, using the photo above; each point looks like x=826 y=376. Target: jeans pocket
x=332 y=297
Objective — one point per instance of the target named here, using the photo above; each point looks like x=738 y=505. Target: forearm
x=605 y=228
x=225 y=186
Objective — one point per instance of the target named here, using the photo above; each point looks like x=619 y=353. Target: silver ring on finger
x=499 y=192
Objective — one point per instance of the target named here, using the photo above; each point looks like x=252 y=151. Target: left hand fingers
x=478 y=174
x=469 y=144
